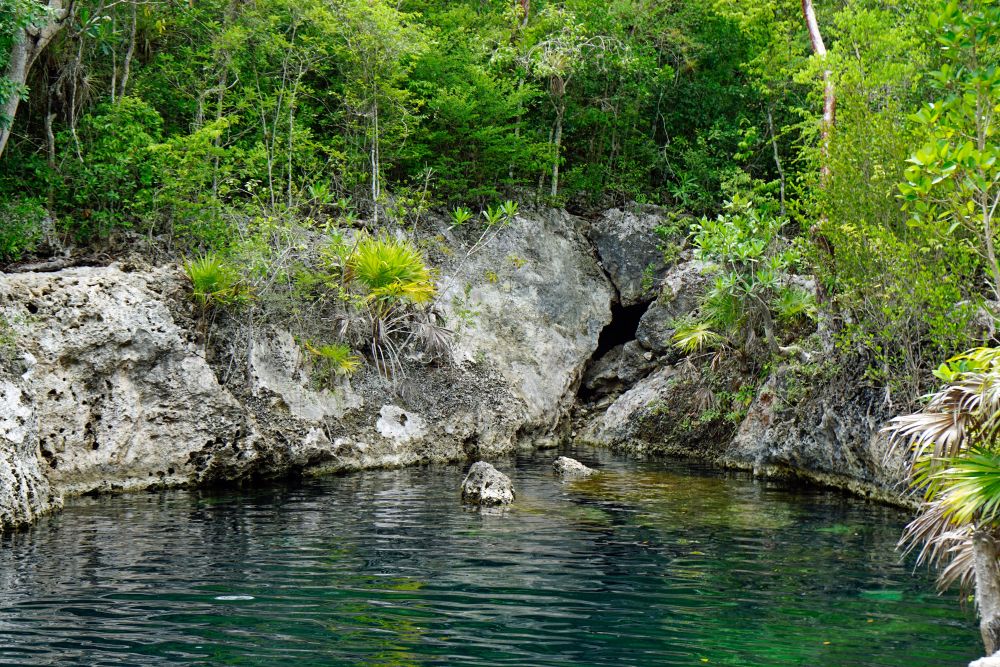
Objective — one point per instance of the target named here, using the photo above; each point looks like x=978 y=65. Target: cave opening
x=621 y=329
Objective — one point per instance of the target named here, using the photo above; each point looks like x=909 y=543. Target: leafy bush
x=112 y=186
x=20 y=227
x=755 y=261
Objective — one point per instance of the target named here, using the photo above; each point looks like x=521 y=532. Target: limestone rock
x=630 y=251
x=568 y=467
x=680 y=295
x=661 y=414
x=485 y=485
x=121 y=397
x=817 y=421
x=24 y=490
x=617 y=370
x=531 y=303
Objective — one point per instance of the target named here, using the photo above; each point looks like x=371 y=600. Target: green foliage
x=955 y=175
x=460 y=215
x=215 y=282
x=692 y=336
x=336 y=359
x=755 y=261
x=112 y=184
x=20 y=227
x=390 y=270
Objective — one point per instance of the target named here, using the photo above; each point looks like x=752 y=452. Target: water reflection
x=645 y=564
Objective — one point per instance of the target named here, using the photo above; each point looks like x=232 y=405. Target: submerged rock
x=485 y=485
x=568 y=467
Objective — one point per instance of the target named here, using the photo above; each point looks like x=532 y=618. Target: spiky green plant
x=215 y=282
x=335 y=358
x=794 y=303
x=954 y=445
x=460 y=216
x=693 y=336
x=390 y=270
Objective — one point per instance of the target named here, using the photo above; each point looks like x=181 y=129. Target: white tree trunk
x=986 y=561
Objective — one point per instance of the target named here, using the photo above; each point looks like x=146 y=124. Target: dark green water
x=652 y=564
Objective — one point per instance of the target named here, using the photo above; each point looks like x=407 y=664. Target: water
x=651 y=564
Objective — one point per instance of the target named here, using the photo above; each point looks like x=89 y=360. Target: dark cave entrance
x=621 y=329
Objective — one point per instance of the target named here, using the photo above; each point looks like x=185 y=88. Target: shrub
x=335 y=359
x=20 y=228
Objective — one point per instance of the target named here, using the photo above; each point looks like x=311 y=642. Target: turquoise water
x=650 y=564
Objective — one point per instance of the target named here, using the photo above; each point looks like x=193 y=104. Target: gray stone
x=630 y=251
x=115 y=387
x=990 y=661
x=680 y=295
x=568 y=467
x=485 y=485
x=817 y=421
x=619 y=369
x=531 y=303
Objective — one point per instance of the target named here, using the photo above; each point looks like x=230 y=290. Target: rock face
x=24 y=490
x=117 y=395
x=661 y=414
x=820 y=423
x=108 y=382
x=485 y=485
x=630 y=251
x=532 y=304
x=680 y=295
x=568 y=467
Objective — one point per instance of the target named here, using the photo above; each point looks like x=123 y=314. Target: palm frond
x=692 y=336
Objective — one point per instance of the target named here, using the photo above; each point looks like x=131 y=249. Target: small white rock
x=485 y=485
x=568 y=467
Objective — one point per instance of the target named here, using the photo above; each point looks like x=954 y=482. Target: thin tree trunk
x=557 y=143
x=986 y=561
x=829 y=94
x=525 y=11
x=826 y=325
x=127 y=63
x=777 y=158
x=25 y=50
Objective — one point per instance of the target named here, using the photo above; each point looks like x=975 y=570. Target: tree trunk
x=829 y=94
x=986 y=561
x=25 y=50
x=826 y=326
x=557 y=144
x=127 y=64
x=525 y=10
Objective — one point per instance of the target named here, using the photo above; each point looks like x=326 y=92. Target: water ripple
x=648 y=564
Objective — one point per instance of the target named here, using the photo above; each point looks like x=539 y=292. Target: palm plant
x=395 y=281
x=214 y=281
x=955 y=459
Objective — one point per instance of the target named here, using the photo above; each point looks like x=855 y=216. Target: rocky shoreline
x=109 y=381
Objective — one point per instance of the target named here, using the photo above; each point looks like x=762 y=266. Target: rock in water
x=568 y=467
x=485 y=485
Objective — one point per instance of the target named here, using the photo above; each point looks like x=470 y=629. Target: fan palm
x=955 y=459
